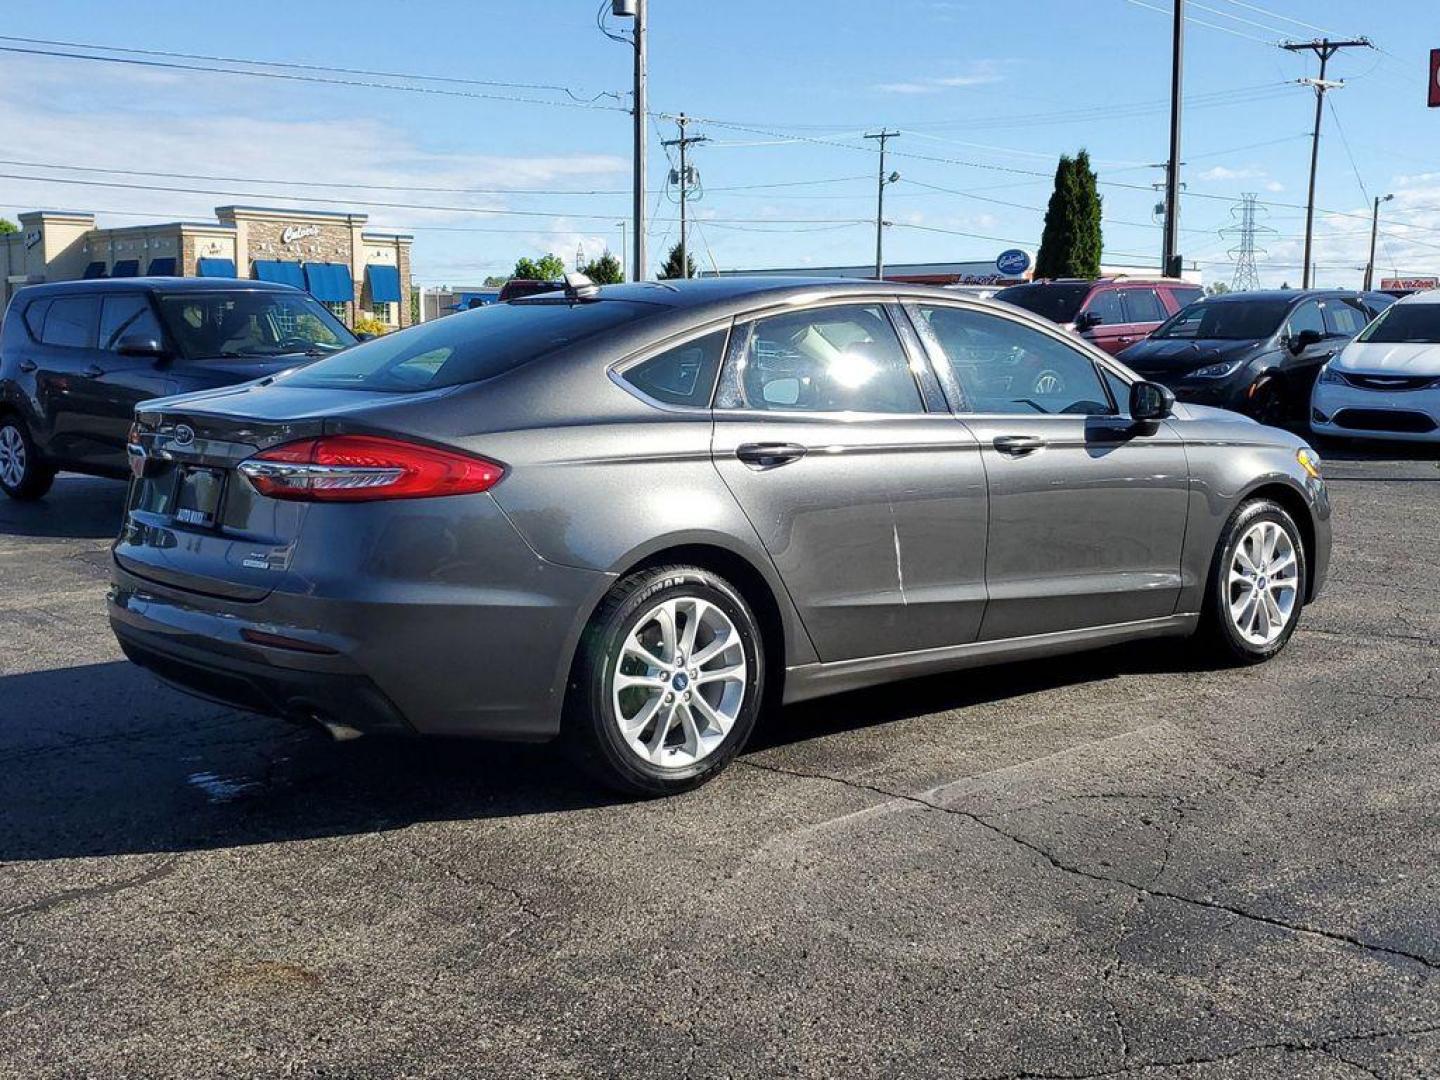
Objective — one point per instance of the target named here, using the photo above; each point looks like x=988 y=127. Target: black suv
x=1253 y=352
x=77 y=356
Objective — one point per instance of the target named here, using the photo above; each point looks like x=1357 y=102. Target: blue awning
x=215 y=268
x=94 y=270
x=384 y=283
x=162 y=267
x=283 y=273
x=126 y=268
x=329 y=282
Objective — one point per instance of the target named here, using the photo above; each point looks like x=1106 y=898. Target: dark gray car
x=631 y=517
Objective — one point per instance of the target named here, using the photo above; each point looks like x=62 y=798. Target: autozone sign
x=1413 y=284
x=1435 y=78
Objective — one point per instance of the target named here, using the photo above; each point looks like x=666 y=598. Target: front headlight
x=1217 y=371
x=1310 y=462
x=1329 y=374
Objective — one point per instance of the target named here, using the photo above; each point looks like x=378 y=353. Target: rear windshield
x=1228 y=320
x=1402 y=323
x=470 y=346
x=1058 y=303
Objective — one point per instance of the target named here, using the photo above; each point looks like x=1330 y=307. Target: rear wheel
x=668 y=682
x=23 y=475
x=1257 y=583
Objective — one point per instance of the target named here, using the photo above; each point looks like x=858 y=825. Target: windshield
x=469 y=346
x=1229 y=320
x=1058 y=303
x=250 y=324
x=1401 y=323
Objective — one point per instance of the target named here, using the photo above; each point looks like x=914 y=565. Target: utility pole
x=624 y=248
x=1374 y=232
x=684 y=142
x=881 y=135
x=1324 y=48
x=1170 y=262
x=636 y=9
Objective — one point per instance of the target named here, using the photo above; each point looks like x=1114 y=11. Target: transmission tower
x=1244 y=232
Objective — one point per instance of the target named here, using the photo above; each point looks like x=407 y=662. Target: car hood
x=1171 y=355
x=1405 y=358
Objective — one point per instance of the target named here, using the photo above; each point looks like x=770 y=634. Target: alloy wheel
x=679 y=683
x=12 y=456
x=1263 y=583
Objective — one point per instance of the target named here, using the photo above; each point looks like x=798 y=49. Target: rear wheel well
x=751 y=584
x=1295 y=505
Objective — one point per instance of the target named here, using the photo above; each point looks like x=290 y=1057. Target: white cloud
x=1220 y=172
x=980 y=73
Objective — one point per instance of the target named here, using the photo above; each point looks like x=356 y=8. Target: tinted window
x=1106 y=304
x=684 y=375
x=122 y=316
x=1186 y=296
x=243 y=323
x=71 y=322
x=845 y=358
x=1343 y=319
x=1003 y=366
x=1143 y=305
x=1402 y=323
x=35 y=317
x=1058 y=303
x=1307 y=317
x=470 y=346
x=1226 y=320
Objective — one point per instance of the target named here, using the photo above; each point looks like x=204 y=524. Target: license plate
x=197 y=498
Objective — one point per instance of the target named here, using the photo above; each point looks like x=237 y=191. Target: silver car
x=634 y=518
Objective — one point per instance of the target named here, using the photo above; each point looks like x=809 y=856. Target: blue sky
x=986 y=94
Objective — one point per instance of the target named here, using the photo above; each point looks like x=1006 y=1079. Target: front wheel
x=668 y=681
x=1257 y=583
x=23 y=475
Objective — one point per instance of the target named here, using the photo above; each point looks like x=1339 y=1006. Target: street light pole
x=1374 y=231
x=641 y=73
x=1170 y=263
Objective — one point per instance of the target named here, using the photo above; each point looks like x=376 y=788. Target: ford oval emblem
x=184 y=435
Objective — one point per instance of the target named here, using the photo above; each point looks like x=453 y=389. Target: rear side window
x=1186 y=296
x=1143 y=305
x=1343 y=320
x=684 y=375
x=35 y=317
x=70 y=322
x=1106 y=304
x=470 y=346
x=126 y=316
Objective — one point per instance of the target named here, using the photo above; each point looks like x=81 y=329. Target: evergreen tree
x=1071 y=243
x=8 y=226
x=605 y=270
x=671 y=269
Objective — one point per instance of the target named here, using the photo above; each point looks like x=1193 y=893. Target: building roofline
x=342 y=215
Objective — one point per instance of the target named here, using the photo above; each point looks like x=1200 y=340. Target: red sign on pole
x=1435 y=78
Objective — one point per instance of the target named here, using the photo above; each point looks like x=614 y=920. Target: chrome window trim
x=617 y=370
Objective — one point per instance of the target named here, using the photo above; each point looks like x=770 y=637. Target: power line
x=1202 y=22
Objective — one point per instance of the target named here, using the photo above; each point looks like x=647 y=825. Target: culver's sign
x=292 y=233
x=1013 y=263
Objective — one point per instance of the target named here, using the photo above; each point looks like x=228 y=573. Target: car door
x=61 y=356
x=1144 y=312
x=1302 y=367
x=1112 y=333
x=1087 y=508
x=118 y=382
x=872 y=508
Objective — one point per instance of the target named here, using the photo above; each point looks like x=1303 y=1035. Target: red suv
x=1113 y=313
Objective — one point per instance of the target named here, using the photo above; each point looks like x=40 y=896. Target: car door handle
x=769 y=455
x=1125 y=339
x=94 y=371
x=27 y=366
x=1018 y=444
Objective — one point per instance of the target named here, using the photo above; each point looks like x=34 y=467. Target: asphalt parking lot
x=1124 y=863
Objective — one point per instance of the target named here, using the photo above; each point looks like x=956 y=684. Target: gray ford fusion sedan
x=632 y=518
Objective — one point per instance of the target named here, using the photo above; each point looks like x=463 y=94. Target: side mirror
x=1088 y=320
x=1304 y=339
x=364 y=337
x=142 y=345
x=1150 y=402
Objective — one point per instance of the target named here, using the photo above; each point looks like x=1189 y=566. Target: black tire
x=36 y=475
x=1217 y=629
x=592 y=729
x=1269 y=406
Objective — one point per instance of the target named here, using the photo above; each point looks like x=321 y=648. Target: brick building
x=354 y=271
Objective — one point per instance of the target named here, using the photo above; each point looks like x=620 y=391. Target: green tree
x=8 y=226
x=605 y=270
x=671 y=269
x=1216 y=288
x=1071 y=243
x=546 y=268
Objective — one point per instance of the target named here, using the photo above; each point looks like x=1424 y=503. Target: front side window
x=842 y=358
x=70 y=322
x=244 y=324
x=1003 y=366
x=1307 y=317
x=683 y=375
x=1143 y=306
x=126 y=316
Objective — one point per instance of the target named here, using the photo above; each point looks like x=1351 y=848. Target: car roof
x=159 y=284
x=1279 y=294
x=746 y=291
x=1429 y=296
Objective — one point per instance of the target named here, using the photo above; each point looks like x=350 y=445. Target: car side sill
x=816 y=680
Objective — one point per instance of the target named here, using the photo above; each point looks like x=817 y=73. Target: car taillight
x=361 y=468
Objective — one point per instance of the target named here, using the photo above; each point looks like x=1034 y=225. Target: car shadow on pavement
x=77 y=508
x=104 y=760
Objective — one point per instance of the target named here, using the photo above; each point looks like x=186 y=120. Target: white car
x=1386 y=383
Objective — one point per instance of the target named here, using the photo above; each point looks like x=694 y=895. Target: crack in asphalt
x=162 y=869
x=1335 y=936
